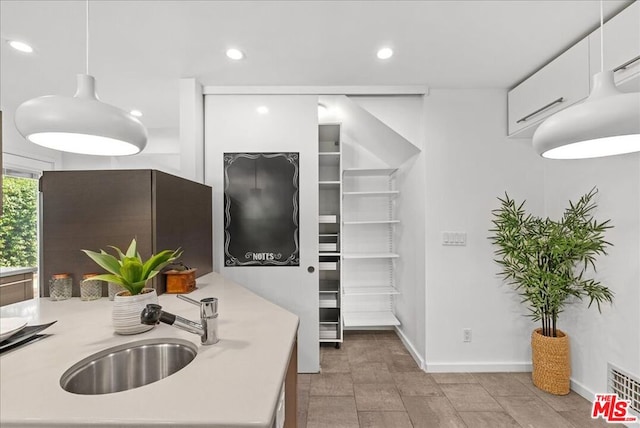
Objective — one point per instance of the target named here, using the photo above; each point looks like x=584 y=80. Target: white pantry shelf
x=370 y=256
x=329 y=253
x=370 y=319
x=369 y=290
x=328 y=265
x=329 y=286
x=328 y=248
x=369 y=172
x=328 y=300
x=376 y=193
x=327 y=218
x=372 y=222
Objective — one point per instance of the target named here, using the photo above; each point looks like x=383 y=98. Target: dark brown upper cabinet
x=95 y=209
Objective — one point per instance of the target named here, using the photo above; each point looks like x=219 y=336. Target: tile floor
x=372 y=381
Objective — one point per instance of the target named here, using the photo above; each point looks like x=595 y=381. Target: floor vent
x=626 y=386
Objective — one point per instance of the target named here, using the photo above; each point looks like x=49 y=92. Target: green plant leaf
x=112 y=278
x=132 y=250
x=137 y=287
x=131 y=270
x=160 y=260
x=121 y=256
x=105 y=261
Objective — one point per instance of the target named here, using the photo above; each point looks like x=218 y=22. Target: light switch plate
x=454 y=238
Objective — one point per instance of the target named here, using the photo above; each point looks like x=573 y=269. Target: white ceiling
x=140 y=49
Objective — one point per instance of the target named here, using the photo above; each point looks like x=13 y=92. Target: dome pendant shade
x=607 y=123
x=80 y=124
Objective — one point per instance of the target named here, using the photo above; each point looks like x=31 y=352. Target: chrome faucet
x=207 y=329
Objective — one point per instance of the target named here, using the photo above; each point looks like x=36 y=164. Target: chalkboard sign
x=261 y=209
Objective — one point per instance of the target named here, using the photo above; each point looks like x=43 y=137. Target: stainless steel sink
x=128 y=366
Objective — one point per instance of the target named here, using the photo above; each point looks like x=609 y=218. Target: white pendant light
x=82 y=123
x=607 y=123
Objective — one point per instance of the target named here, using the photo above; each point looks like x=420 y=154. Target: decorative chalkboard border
x=266 y=259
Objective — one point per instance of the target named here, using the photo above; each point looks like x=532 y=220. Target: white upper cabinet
x=561 y=83
x=621 y=48
x=568 y=78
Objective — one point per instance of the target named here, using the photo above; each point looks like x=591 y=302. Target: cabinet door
x=621 y=48
x=561 y=83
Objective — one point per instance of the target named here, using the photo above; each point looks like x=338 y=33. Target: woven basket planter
x=551 y=362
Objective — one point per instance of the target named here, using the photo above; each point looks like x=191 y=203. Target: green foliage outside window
x=18 y=223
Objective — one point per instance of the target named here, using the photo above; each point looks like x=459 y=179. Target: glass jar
x=60 y=286
x=113 y=289
x=90 y=289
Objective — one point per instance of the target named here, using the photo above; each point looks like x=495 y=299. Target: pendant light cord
x=601 y=37
x=87 y=34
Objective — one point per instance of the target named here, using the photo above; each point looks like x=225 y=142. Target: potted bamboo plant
x=132 y=273
x=547 y=262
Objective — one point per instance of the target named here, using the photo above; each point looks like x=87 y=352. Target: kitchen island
x=234 y=383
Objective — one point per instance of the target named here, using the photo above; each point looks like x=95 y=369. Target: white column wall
x=469 y=163
x=191 y=130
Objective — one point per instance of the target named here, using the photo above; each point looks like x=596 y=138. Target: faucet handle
x=188 y=299
x=208 y=305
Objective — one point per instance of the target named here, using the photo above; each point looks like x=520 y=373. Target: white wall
x=614 y=335
x=233 y=125
x=469 y=163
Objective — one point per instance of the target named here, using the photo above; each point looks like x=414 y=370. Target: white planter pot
x=127 y=309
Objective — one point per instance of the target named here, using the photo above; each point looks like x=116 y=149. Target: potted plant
x=132 y=273
x=547 y=262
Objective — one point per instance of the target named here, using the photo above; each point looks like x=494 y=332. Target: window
x=19 y=221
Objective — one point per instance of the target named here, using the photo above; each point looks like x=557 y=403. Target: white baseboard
x=460 y=367
x=477 y=367
x=412 y=349
x=582 y=390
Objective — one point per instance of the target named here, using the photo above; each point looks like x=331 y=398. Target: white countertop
x=234 y=383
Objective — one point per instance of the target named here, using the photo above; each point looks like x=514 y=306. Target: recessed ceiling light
x=20 y=46
x=136 y=113
x=385 y=53
x=235 y=54
x=262 y=110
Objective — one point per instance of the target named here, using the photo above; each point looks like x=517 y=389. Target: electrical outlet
x=466 y=335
